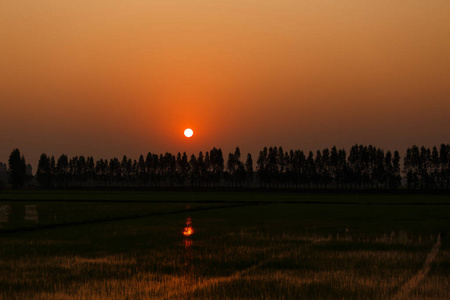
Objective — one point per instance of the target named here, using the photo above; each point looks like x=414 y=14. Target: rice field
x=149 y=245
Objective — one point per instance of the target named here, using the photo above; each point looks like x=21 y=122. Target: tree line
x=363 y=167
x=17 y=172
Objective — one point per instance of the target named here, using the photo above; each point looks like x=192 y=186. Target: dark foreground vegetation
x=364 y=167
x=148 y=245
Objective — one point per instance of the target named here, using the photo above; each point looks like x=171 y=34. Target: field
x=169 y=245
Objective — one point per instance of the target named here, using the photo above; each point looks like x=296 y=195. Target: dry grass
x=283 y=272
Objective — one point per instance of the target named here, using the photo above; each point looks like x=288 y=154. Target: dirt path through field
x=407 y=288
x=208 y=282
x=224 y=279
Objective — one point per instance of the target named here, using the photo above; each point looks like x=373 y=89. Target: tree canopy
x=363 y=167
x=17 y=169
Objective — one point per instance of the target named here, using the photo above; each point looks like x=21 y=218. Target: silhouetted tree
x=3 y=175
x=141 y=171
x=29 y=173
x=311 y=169
x=378 y=168
x=155 y=176
x=43 y=173
x=411 y=167
x=325 y=173
x=114 y=170
x=273 y=170
x=317 y=180
x=334 y=169
x=389 y=170
x=193 y=174
x=396 y=177
x=229 y=175
x=170 y=169
x=239 y=175
x=17 y=169
x=342 y=172
x=282 y=163
x=298 y=168
x=425 y=168
x=217 y=165
x=201 y=169
x=183 y=168
x=81 y=170
x=262 y=169
x=149 y=168
x=101 y=171
x=208 y=169
x=435 y=167
x=444 y=159
x=235 y=168
x=90 y=170
x=249 y=168
x=125 y=169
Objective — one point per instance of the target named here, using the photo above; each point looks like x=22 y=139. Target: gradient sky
x=107 y=78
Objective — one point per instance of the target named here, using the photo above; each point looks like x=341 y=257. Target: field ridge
x=122 y=218
x=407 y=288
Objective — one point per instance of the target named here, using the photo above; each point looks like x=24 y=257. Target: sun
x=188 y=132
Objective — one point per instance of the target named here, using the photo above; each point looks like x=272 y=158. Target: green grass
x=300 y=248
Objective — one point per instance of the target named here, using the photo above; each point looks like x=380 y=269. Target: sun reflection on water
x=188 y=269
x=187 y=243
x=188 y=230
x=187 y=233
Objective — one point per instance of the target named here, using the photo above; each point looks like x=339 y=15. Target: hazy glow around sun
x=188 y=132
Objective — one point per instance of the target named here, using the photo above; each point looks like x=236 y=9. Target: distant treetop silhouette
x=365 y=167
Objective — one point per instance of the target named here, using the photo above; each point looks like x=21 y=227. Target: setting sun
x=188 y=132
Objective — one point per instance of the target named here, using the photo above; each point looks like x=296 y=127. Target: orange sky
x=107 y=78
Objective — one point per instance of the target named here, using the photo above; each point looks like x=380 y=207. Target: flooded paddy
x=179 y=248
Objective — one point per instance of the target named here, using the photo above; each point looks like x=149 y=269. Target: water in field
x=31 y=213
x=188 y=242
x=188 y=268
x=188 y=230
x=5 y=210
